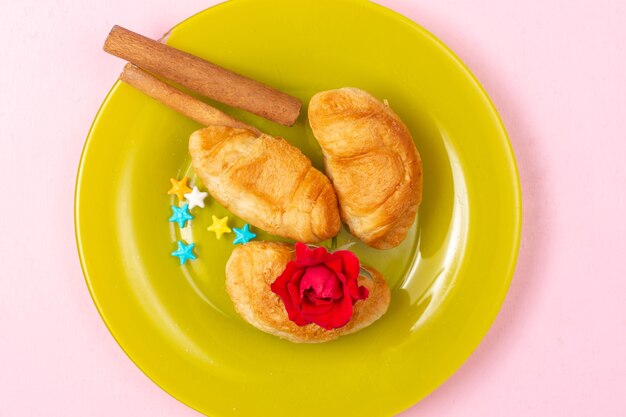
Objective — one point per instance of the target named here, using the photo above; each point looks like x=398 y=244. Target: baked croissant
x=267 y=182
x=372 y=162
x=250 y=272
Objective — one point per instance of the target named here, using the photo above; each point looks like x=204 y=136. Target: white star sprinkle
x=196 y=198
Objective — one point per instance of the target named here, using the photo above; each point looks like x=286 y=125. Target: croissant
x=372 y=162
x=251 y=270
x=267 y=182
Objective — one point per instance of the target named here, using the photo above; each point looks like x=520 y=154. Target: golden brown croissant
x=267 y=182
x=250 y=272
x=372 y=162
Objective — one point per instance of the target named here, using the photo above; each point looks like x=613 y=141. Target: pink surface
x=555 y=70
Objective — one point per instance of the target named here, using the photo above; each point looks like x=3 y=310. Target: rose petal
x=296 y=276
x=306 y=256
x=353 y=289
x=294 y=305
x=363 y=293
x=334 y=262
x=322 y=301
x=342 y=312
x=322 y=317
x=294 y=296
x=351 y=264
x=286 y=275
x=282 y=286
x=322 y=281
x=311 y=310
x=279 y=286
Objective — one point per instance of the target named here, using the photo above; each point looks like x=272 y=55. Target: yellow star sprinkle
x=179 y=188
x=219 y=226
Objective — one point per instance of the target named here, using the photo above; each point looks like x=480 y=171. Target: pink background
x=556 y=71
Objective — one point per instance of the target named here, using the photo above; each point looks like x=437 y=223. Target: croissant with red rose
x=303 y=294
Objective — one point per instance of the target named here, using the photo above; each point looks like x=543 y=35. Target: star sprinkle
x=179 y=188
x=196 y=198
x=219 y=226
x=244 y=235
x=181 y=215
x=184 y=252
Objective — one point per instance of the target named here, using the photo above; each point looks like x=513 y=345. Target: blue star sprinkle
x=244 y=235
x=181 y=215
x=184 y=252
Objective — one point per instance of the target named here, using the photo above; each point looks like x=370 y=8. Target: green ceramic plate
x=448 y=278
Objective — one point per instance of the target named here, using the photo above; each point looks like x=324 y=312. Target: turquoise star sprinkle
x=244 y=235
x=184 y=252
x=181 y=215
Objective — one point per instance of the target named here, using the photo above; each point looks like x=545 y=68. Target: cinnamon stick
x=177 y=100
x=202 y=76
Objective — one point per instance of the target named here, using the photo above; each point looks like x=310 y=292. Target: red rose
x=320 y=287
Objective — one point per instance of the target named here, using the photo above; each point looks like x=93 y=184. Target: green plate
x=448 y=278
